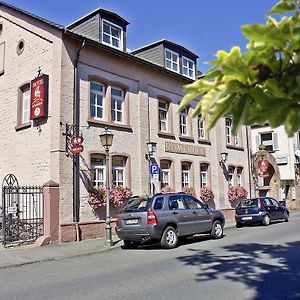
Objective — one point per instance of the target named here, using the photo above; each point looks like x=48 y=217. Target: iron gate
x=22 y=212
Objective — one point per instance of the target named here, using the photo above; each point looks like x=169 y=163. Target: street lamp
x=151 y=150
x=106 y=138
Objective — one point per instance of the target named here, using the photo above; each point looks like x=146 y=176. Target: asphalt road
x=248 y=263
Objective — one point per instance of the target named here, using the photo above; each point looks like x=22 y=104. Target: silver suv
x=165 y=218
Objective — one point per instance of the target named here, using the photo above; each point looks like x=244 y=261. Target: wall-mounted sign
x=77 y=140
x=39 y=97
x=263 y=166
x=77 y=148
x=184 y=149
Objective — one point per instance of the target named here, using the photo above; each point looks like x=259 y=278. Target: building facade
x=94 y=83
x=276 y=164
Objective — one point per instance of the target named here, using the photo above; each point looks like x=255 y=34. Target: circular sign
x=37 y=111
x=77 y=140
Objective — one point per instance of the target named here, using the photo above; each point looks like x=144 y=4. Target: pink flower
x=167 y=189
x=235 y=193
x=189 y=190
x=206 y=194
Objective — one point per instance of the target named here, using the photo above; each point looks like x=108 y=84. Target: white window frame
x=183 y=121
x=98 y=169
x=115 y=100
x=25 y=105
x=97 y=94
x=186 y=69
x=228 y=124
x=171 y=61
x=163 y=116
x=202 y=134
x=203 y=175
x=239 y=176
x=272 y=143
x=231 y=170
x=116 y=170
x=110 y=35
x=185 y=174
x=165 y=173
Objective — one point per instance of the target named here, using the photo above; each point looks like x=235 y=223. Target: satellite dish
x=297 y=153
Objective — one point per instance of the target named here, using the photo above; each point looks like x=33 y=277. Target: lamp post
x=151 y=150
x=222 y=161
x=106 y=138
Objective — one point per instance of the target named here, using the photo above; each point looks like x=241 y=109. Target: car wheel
x=266 y=220
x=131 y=244
x=286 y=216
x=169 y=238
x=217 y=230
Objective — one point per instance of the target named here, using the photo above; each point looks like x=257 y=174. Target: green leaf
x=239 y=112
x=282 y=7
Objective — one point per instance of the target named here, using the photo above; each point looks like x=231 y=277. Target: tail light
x=151 y=217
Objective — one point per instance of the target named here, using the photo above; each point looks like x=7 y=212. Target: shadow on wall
x=273 y=271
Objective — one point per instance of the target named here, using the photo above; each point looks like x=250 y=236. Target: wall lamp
x=224 y=156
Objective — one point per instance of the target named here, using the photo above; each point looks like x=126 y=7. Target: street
x=252 y=262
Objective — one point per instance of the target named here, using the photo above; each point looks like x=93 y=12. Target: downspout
x=249 y=162
x=76 y=132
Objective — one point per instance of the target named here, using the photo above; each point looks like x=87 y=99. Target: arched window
x=98 y=172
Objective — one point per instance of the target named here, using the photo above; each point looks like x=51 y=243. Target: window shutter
x=257 y=140
x=275 y=141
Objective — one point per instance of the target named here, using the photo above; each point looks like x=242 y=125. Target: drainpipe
x=249 y=162
x=76 y=123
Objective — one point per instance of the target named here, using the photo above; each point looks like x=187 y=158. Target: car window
x=273 y=201
x=176 y=199
x=248 y=203
x=191 y=202
x=137 y=204
x=266 y=202
x=159 y=202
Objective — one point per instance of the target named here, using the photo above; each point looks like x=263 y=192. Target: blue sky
x=204 y=27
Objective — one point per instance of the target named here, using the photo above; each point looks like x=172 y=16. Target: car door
x=179 y=214
x=270 y=208
x=199 y=216
x=279 y=210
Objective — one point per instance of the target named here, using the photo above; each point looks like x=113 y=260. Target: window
x=230 y=175
x=183 y=118
x=117 y=105
x=172 y=60
x=230 y=140
x=191 y=202
x=118 y=169
x=165 y=173
x=188 y=68
x=112 y=35
x=239 y=172
x=159 y=203
x=269 y=139
x=163 y=115
x=176 y=202
x=228 y=130
x=24 y=105
x=202 y=133
x=2 y=52
x=185 y=174
x=97 y=100
x=98 y=170
x=203 y=175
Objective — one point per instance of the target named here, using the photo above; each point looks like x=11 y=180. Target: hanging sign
x=263 y=168
x=77 y=148
x=39 y=97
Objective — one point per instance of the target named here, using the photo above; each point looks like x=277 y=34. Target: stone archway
x=265 y=186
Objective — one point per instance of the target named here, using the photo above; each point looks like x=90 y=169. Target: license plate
x=246 y=218
x=132 y=221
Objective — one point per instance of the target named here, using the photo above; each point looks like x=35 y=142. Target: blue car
x=260 y=210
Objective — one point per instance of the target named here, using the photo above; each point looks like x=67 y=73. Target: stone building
x=279 y=174
x=93 y=83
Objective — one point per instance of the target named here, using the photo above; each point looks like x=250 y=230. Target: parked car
x=260 y=210
x=165 y=218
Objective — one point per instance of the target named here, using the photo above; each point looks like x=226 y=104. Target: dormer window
x=188 y=68
x=112 y=35
x=172 y=60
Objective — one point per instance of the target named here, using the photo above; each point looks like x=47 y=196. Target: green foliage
x=261 y=85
